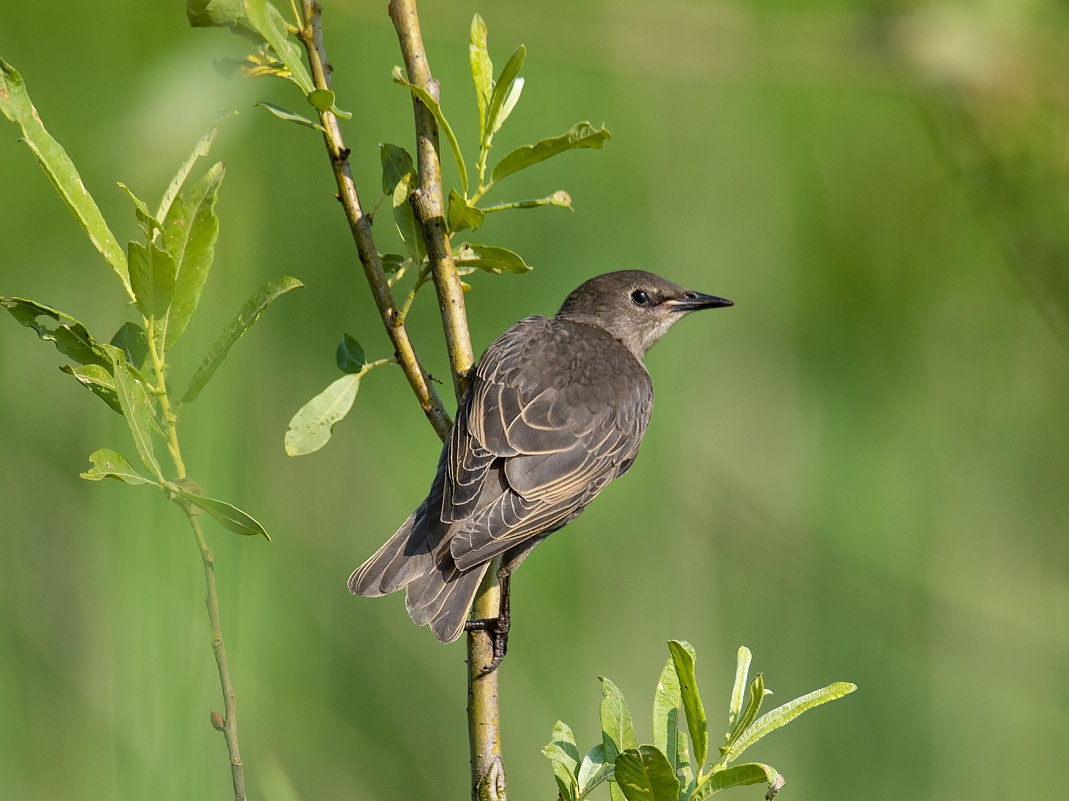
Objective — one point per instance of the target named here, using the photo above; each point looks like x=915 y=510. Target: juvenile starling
x=555 y=410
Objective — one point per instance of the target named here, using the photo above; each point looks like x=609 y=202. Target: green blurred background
x=861 y=471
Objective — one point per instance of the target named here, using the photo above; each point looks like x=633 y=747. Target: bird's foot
x=496 y=627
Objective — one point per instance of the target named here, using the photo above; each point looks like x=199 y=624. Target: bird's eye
x=640 y=298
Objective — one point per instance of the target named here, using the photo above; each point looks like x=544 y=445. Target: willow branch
x=484 y=719
x=311 y=36
x=230 y=718
x=484 y=724
x=428 y=200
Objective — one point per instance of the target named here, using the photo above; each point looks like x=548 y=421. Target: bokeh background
x=861 y=471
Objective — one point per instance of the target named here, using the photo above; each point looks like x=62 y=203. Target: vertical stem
x=230 y=719
x=484 y=724
x=428 y=200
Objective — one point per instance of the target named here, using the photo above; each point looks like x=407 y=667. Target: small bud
x=216 y=719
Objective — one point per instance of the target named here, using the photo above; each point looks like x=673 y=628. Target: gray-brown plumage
x=556 y=409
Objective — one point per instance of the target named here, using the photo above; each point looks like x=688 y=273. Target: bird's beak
x=691 y=301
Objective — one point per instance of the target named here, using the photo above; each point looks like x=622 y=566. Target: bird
x=556 y=408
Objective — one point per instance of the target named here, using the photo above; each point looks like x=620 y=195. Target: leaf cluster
x=673 y=767
x=278 y=55
x=163 y=274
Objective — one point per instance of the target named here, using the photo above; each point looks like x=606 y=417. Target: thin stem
x=421 y=279
x=311 y=36
x=230 y=719
x=170 y=419
x=428 y=200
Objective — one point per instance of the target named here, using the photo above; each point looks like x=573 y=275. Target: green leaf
x=593 y=770
x=107 y=463
x=321 y=99
x=482 y=70
x=644 y=774
x=581 y=135
x=97 y=379
x=269 y=23
x=617 y=730
x=152 y=275
x=405 y=219
x=683 y=658
x=683 y=771
x=230 y=516
x=310 y=429
x=190 y=233
x=249 y=314
x=667 y=701
x=144 y=216
x=739 y=776
x=460 y=215
x=782 y=715
x=564 y=755
x=132 y=340
x=490 y=258
x=558 y=198
x=432 y=106
x=391 y=262
x=350 y=355
x=136 y=408
x=754 y=697
x=504 y=90
x=742 y=671
x=214 y=13
x=16 y=106
x=71 y=338
x=289 y=116
x=396 y=164
x=202 y=148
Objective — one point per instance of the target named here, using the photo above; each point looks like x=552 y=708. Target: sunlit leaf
x=16 y=106
x=191 y=231
x=490 y=258
x=755 y=695
x=136 y=406
x=644 y=774
x=289 y=116
x=321 y=99
x=667 y=701
x=503 y=89
x=107 y=463
x=739 y=776
x=617 y=730
x=558 y=198
x=202 y=148
x=214 y=13
x=250 y=312
x=460 y=215
x=310 y=428
x=593 y=770
x=432 y=105
x=229 y=515
x=97 y=379
x=742 y=671
x=269 y=23
x=581 y=135
x=683 y=658
x=482 y=70
x=144 y=216
x=782 y=715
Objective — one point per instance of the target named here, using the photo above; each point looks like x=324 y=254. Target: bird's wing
x=535 y=440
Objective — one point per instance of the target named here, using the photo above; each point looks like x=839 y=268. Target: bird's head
x=634 y=306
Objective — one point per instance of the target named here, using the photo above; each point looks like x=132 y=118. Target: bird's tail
x=417 y=556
